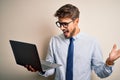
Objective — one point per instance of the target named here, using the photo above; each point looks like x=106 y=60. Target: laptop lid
x=26 y=54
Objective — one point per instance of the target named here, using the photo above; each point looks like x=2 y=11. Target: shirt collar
x=77 y=36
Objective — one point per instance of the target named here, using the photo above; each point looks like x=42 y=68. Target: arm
x=101 y=69
x=104 y=70
x=50 y=57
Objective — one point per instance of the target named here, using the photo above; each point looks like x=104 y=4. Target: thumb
x=114 y=47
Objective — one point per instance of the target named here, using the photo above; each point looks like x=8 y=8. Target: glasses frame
x=64 y=24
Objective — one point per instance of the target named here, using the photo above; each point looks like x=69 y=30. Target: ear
x=76 y=21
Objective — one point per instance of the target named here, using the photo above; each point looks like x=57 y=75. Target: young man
x=78 y=53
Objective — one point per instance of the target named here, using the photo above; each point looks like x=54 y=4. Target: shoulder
x=87 y=38
x=58 y=38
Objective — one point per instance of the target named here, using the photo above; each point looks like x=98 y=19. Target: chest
x=82 y=51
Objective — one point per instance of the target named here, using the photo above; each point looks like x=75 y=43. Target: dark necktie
x=69 y=67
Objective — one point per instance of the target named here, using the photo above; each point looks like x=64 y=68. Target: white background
x=33 y=21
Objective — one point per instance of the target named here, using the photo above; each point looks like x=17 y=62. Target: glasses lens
x=58 y=24
x=64 y=24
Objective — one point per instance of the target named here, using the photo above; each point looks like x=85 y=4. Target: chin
x=67 y=37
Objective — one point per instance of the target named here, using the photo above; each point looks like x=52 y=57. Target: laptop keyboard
x=45 y=67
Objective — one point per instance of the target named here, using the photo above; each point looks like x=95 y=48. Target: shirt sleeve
x=100 y=68
x=49 y=57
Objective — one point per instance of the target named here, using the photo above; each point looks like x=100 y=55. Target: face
x=68 y=26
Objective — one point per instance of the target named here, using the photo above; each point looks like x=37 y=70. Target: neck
x=76 y=31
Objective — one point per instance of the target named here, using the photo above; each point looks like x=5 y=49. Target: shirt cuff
x=41 y=73
x=109 y=68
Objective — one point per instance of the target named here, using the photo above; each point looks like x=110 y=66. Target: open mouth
x=66 y=32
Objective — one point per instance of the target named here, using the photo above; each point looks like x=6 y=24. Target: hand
x=114 y=55
x=30 y=68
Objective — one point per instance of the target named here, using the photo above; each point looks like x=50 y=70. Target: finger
x=26 y=66
x=119 y=52
x=114 y=47
x=32 y=69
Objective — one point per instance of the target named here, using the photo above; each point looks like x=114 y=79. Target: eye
x=65 y=24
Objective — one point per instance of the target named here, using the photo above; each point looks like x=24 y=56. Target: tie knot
x=71 y=39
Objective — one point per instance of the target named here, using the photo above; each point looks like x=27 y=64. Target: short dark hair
x=68 y=11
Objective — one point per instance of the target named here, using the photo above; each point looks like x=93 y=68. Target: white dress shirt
x=87 y=57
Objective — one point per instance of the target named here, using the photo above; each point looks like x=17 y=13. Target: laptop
x=27 y=54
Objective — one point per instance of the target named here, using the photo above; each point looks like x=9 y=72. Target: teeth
x=65 y=31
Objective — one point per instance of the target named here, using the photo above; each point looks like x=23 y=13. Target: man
x=78 y=53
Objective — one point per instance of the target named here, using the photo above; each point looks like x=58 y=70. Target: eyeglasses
x=64 y=24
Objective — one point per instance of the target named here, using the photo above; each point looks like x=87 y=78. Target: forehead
x=64 y=19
